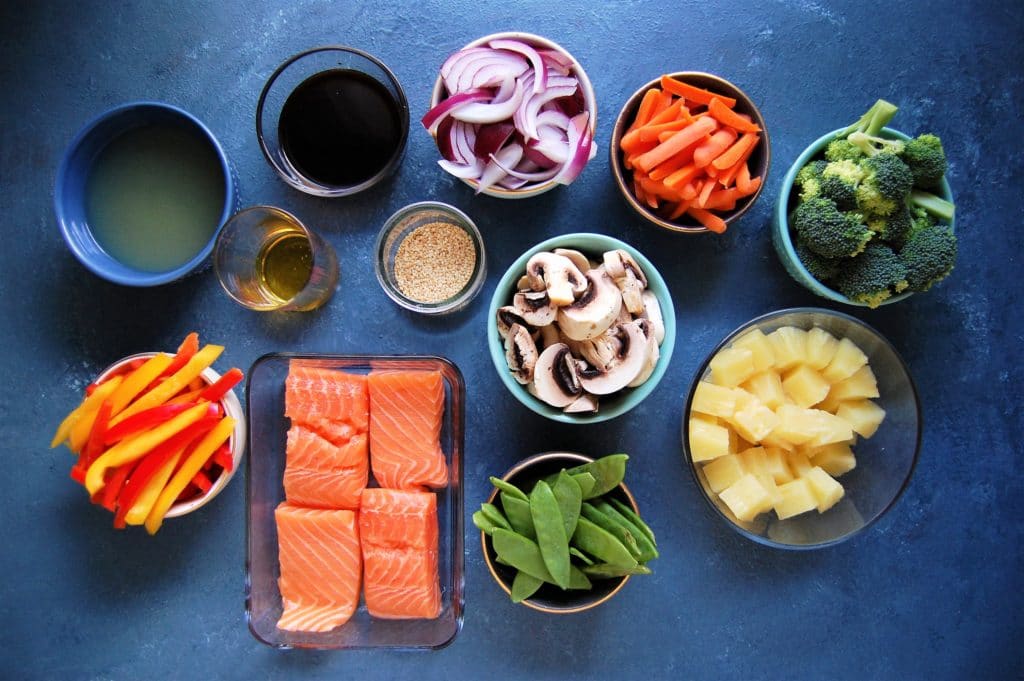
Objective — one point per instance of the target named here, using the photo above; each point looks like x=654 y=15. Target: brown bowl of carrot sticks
x=690 y=152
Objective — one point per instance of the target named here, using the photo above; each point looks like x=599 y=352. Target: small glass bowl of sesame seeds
x=430 y=258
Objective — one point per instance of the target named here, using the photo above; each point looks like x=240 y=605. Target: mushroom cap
x=534 y=307
x=594 y=311
x=653 y=354
x=505 y=317
x=555 y=376
x=556 y=274
x=520 y=353
x=581 y=261
x=626 y=366
x=619 y=261
x=584 y=403
x=652 y=312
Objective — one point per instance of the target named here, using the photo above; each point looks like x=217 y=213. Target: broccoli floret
x=839 y=182
x=873 y=120
x=843 y=150
x=872 y=276
x=898 y=227
x=935 y=205
x=828 y=231
x=809 y=179
x=921 y=219
x=819 y=267
x=872 y=145
x=929 y=257
x=886 y=184
x=926 y=159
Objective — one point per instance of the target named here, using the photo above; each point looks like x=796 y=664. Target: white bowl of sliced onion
x=513 y=115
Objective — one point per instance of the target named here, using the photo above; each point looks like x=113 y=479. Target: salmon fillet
x=320 y=567
x=336 y=432
x=311 y=393
x=320 y=474
x=406 y=408
x=399 y=543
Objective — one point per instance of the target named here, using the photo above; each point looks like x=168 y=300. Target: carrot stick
x=727 y=116
x=678 y=211
x=659 y=190
x=743 y=178
x=731 y=173
x=682 y=176
x=708 y=219
x=693 y=94
x=705 y=192
x=647 y=104
x=676 y=143
x=651 y=131
x=671 y=165
x=755 y=184
x=634 y=146
x=670 y=113
x=704 y=154
x=732 y=155
x=689 y=191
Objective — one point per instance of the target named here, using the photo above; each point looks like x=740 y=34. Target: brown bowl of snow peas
x=585 y=508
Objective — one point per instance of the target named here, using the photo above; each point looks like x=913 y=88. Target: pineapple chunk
x=707 y=440
x=767 y=387
x=826 y=490
x=796 y=497
x=723 y=472
x=830 y=428
x=713 y=399
x=732 y=366
x=859 y=385
x=835 y=459
x=821 y=348
x=776 y=442
x=798 y=463
x=768 y=483
x=795 y=425
x=754 y=421
x=847 y=360
x=789 y=345
x=757 y=343
x=863 y=416
x=776 y=466
x=746 y=498
x=753 y=460
x=805 y=386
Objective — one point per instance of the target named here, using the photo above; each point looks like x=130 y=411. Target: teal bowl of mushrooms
x=581 y=328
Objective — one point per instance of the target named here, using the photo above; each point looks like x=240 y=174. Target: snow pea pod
x=578 y=579
x=606 y=571
x=584 y=558
x=496 y=517
x=648 y=551
x=550 y=528
x=608 y=472
x=591 y=513
x=524 y=586
x=484 y=523
x=518 y=513
x=600 y=544
x=509 y=488
x=521 y=553
x=586 y=481
x=634 y=518
x=569 y=497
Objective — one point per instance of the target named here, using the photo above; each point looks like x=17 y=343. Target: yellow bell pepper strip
x=94 y=445
x=137 y=380
x=83 y=425
x=209 y=444
x=173 y=384
x=89 y=404
x=139 y=511
x=136 y=447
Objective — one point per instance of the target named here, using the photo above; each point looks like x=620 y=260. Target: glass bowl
x=885 y=461
x=391 y=268
x=268 y=430
x=232 y=408
x=298 y=70
x=610 y=406
x=760 y=158
x=549 y=598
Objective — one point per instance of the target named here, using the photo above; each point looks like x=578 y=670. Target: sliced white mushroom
x=505 y=317
x=534 y=307
x=628 y=276
x=581 y=261
x=523 y=284
x=652 y=312
x=626 y=366
x=594 y=311
x=555 y=376
x=601 y=351
x=556 y=274
x=520 y=353
x=585 y=403
x=549 y=335
x=653 y=354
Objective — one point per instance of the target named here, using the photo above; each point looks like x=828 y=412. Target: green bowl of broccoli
x=866 y=220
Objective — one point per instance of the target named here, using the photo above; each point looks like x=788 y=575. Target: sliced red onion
x=580 y=143
x=555 y=152
x=540 y=69
x=494 y=170
x=492 y=137
x=489 y=71
x=493 y=112
x=463 y=139
x=531 y=107
x=512 y=183
x=431 y=119
x=473 y=60
x=542 y=176
x=457 y=57
x=556 y=61
x=469 y=171
x=554 y=118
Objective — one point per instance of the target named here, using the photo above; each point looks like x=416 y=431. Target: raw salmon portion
x=320 y=567
x=313 y=393
x=320 y=474
x=336 y=432
x=405 y=429
x=399 y=542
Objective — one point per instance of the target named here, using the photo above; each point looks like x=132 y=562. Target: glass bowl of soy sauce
x=332 y=121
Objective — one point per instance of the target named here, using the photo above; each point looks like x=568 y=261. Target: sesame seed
x=434 y=262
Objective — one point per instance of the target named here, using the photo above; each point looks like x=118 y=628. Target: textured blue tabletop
x=931 y=591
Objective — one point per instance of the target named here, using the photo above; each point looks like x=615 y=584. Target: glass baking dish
x=264 y=491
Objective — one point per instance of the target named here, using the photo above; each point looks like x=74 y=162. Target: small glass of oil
x=267 y=260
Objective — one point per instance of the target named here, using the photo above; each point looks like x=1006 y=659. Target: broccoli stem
x=873 y=120
x=935 y=205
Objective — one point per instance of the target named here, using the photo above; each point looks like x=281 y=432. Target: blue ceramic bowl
x=610 y=405
x=782 y=237
x=69 y=193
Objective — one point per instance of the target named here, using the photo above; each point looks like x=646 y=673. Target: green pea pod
x=551 y=537
x=509 y=488
x=608 y=472
x=600 y=544
x=496 y=517
x=483 y=523
x=521 y=553
x=600 y=519
x=578 y=579
x=606 y=571
x=569 y=497
x=632 y=516
x=648 y=551
x=524 y=586
x=584 y=558
x=586 y=481
x=518 y=513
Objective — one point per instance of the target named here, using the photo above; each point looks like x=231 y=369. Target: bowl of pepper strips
x=157 y=435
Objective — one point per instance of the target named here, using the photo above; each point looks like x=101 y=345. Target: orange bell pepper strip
x=90 y=404
x=173 y=384
x=192 y=465
x=220 y=388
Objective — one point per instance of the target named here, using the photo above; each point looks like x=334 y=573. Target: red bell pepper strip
x=218 y=390
x=202 y=482
x=108 y=496
x=188 y=347
x=94 y=445
x=135 y=364
x=222 y=457
x=144 y=420
x=155 y=460
x=91 y=388
x=78 y=474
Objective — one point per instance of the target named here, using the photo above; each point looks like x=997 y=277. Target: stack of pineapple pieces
x=774 y=422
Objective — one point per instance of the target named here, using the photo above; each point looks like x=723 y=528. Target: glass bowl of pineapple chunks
x=802 y=428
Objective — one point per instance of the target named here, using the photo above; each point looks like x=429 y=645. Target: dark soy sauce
x=340 y=127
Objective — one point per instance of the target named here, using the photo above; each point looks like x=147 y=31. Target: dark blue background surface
x=932 y=591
